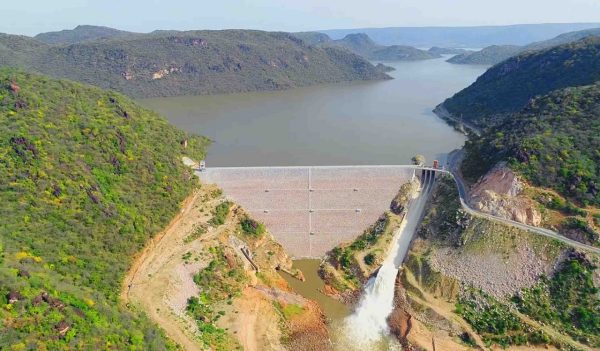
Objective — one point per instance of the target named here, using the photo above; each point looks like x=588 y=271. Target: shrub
x=252 y=227
x=221 y=212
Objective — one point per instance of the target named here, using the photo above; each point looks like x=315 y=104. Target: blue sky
x=33 y=16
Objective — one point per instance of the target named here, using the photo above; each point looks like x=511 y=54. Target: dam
x=312 y=209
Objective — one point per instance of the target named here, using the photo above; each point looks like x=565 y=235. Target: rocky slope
x=166 y=63
x=470 y=283
x=500 y=193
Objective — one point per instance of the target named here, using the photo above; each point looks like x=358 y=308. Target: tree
x=418 y=160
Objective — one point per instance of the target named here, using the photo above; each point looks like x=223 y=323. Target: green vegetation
x=88 y=177
x=507 y=87
x=197 y=233
x=252 y=227
x=81 y=34
x=343 y=257
x=369 y=258
x=553 y=143
x=490 y=55
x=219 y=282
x=567 y=301
x=495 y=322
x=581 y=227
x=290 y=310
x=220 y=214
x=554 y=202
x=597 y=219
x=168 y=63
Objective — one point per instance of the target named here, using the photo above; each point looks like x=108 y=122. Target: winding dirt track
x=149 y=278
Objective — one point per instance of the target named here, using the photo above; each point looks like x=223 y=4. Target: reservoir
x=376 y=122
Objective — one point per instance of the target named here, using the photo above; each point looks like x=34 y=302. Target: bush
x=221 y=212
x=369 y=259
x=252 y=227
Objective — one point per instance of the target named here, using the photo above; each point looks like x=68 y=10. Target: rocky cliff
x=500 y=193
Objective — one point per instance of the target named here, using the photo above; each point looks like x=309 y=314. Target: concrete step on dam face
x=310 y=210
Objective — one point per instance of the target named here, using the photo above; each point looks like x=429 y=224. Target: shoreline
x=443 y=113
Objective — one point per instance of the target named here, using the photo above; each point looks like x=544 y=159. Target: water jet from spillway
x=367 y=328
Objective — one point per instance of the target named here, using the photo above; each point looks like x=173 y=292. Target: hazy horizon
x=31 y=17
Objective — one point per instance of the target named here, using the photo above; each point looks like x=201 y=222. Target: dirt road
x=157 y=284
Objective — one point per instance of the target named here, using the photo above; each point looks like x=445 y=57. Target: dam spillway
x=310 y=210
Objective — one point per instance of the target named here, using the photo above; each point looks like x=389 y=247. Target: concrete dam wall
x=310 y=210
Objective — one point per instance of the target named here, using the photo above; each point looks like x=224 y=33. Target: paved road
x=452 y=168
x=453 y=164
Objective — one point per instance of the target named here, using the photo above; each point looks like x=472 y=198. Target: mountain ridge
x=507 y=87
x=169 y=63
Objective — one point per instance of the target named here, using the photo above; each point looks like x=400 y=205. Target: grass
x=289 y=310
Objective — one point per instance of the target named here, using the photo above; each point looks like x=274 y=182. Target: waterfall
x=367 y=328
x=368 y=324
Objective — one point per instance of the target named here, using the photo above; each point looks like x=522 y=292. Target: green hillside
x=490 y=55
x=564 y=38
x=168 y=63
x=495 y=54
x=508 y=86
x=554 y=143
x=88 y=178
x=82 y=34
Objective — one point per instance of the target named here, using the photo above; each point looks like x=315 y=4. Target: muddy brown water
x=312 y=286
x=380 y=122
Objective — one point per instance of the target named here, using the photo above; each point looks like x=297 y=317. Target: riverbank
x=456 y=122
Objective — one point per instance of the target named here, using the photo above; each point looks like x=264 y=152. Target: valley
x=385 y=189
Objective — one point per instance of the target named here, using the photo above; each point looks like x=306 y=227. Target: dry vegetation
x=206 y=293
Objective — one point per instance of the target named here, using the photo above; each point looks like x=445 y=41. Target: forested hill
x=487 y=56
x=361 y=44
x=494 y=54
x=82 y=34
x=168 y=63
x=508 y=86
x=88 y=177
x=554 y=142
